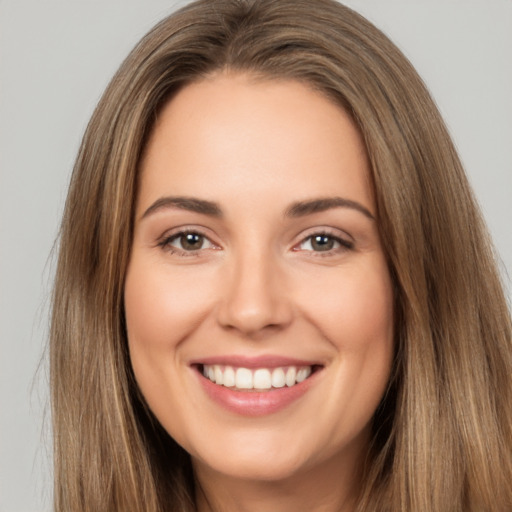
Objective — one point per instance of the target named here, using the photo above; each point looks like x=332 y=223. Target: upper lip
x=263 y=361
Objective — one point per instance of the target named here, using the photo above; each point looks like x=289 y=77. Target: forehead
x=232 y=133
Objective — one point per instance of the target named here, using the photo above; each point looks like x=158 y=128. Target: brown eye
x=188 y=242
x=191 y=241
x=322 y=243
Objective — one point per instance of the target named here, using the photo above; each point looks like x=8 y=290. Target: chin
x=254 y=457
x=264 y=469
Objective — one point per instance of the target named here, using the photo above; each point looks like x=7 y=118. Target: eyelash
x=166 y=242
x=343 y=245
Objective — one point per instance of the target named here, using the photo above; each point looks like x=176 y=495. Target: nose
x=255 y=300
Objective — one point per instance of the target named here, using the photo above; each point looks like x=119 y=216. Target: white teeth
x=243 y=378
x=290 y=376
x=261 y=378
x=229 y=377
x=218 y=374
x=303 y=374
x=278 y=378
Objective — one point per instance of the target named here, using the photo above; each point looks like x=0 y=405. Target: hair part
x=442 y=434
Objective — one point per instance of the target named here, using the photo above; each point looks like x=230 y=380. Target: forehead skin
x=267 y=144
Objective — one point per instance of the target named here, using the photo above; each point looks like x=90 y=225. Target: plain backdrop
x=56 y=57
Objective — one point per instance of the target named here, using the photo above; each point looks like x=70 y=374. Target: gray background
x=56 y=57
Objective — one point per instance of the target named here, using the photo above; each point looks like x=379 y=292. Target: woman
x=264 y=180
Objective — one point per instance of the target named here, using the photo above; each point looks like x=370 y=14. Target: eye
x=324 y=242
x=187 y=242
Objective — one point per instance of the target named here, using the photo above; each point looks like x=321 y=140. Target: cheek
x=353 y=306
x=162 y=307
x=353 y=309
x=356 y=317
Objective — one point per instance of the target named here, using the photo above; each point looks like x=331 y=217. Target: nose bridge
x=255 y=295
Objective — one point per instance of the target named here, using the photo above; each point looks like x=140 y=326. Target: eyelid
x=345 y=241
x=343 y=238
x=164 y=241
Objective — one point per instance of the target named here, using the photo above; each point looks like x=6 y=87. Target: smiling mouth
x=256 y=379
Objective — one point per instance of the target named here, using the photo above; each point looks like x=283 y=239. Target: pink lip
x=255 y=403
x=266 y=361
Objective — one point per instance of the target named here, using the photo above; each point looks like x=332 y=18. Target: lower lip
x=255 y=403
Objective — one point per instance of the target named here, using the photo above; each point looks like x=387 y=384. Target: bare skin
x=322 y=490
x=256 y=245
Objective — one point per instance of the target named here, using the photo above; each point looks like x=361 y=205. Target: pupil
x=322 y=243
x=191 y=241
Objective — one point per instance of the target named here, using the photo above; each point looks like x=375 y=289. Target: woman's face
x=256 y=261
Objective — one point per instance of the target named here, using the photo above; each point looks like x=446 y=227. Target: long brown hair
x=443 y=432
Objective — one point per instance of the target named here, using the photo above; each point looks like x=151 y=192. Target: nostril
x=254 y=321
x=254 y=298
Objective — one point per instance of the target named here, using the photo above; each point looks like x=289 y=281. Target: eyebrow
x=303 y=208
x=297 y=209
x=191 y=204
